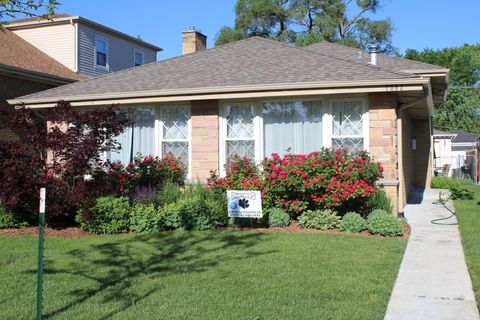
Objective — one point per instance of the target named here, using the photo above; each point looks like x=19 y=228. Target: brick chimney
x=193 y=41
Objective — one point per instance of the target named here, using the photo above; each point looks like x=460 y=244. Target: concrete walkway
x=433 y=281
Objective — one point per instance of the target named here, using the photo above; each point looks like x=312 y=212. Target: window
x=259 y=129
x=101 y=52
x=348 y=125
x=155 y=131
x=138 y=57
x=175 y=132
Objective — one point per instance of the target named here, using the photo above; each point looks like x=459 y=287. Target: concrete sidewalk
x=433 y=281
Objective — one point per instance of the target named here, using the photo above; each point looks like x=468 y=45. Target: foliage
x=169 y=193
x=461 y=110
x=29 y=8
x=109 y=215
x=148 y=171
x=444 y=182
x=72 y=145
x=305 y=21
x=197 y=209
x=321 y=220
x=329 y=179
x=384 y=223
x=352 y=222
x=277 y=217
x=144 y=195
x=458 y=193
x=9 y=220
x=378 y=200
x=144 y=218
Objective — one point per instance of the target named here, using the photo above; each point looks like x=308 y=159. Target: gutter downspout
x=400 y=108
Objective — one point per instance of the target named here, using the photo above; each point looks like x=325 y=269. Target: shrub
x=277 y=217
x=383 y=223
x=109 y=215
x=144 y=195
x=378 y=200
x=443 y=182
x=321 y=220
x=169 y=193
x=197 y=209
x=144 y=218
x=458 y=193
x=332 y=180
x=9 y=220
x=352 y=222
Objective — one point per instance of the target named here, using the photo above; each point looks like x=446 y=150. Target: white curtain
x=137 y=140
x=292 y=127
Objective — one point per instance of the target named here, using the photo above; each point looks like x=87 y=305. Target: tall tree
x=29 y=8
x=461 y=110
x=307 y=21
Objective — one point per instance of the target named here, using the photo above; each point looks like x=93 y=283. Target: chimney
x=373 y=53
x=193 y=41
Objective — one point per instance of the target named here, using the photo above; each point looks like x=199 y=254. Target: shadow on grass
x=115 y=266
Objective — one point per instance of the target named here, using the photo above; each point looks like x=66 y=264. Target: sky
x=418 y=24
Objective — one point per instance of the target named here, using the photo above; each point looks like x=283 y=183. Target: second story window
x=139 y=57
x=101 y=52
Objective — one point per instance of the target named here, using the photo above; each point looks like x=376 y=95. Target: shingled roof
x=18 y=53
x=361 y=56
x=254 y=61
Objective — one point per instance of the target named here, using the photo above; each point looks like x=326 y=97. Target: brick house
x=257 y=96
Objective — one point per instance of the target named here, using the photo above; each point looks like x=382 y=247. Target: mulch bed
x=76 y=232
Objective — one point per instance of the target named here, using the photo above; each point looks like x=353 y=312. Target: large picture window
x=174 y=132
x=259 y=129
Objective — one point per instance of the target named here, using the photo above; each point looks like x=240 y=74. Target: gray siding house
x=84 y=46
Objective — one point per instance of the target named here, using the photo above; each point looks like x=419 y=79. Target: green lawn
x=468 y=212
x=202 y=275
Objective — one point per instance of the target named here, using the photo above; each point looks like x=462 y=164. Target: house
x=38 y=54
x=85 y=47
x=454 y=150
x=257 y=96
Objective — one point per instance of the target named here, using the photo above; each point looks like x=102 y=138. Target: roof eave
x=35 y=75
x=388 y=85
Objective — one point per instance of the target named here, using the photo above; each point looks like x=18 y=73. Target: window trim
x=327 y=122
x=142 y=53
x=107 y=58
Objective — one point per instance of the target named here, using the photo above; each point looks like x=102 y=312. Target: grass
x=202 y=275
x=468 y=213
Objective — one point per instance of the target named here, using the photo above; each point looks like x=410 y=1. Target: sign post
x=244 y=204
x=41 y=239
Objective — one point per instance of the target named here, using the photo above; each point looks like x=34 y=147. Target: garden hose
x=443 y=198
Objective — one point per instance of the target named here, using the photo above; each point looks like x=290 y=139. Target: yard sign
x=244 y=204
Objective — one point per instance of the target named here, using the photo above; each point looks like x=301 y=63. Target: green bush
x=458 y=193
x=352 y=222
x=321 y=220
x=109 y=215
x=198 y=209
x=9 y=220
x=378 y=200
x=169 y=193
x=277 y=217
x=383 y=223
x=144 y=218
x=443 y=182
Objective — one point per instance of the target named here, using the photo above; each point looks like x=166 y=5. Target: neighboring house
x=258 y=96
x=457 y=149
x=84 y=46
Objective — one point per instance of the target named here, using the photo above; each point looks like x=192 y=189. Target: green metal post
x=41 y=239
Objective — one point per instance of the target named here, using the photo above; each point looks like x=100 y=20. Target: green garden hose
x=443 y=198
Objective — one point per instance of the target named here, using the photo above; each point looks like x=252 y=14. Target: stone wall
x=205 y=135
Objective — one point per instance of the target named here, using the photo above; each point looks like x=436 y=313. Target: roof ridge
x=382 y=54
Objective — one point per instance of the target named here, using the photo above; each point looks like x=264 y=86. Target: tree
x=29 y=8
x=304 y=22
x=58 y=157
x=461 y=110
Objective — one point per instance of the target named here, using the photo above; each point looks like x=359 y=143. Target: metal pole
x=41 y=239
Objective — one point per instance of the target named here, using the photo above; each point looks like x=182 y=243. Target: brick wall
x=205 y=135
x=383 y=141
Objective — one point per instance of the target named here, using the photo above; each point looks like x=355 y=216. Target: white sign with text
x=244 y=204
